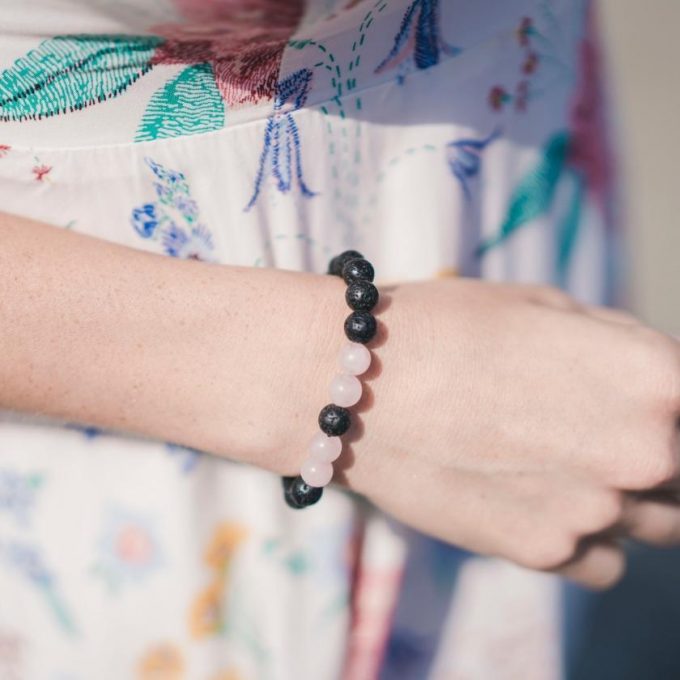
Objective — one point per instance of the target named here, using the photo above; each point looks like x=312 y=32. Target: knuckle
x=659 y=468
x=607 y=511
x=548 y=553
x=660 y=363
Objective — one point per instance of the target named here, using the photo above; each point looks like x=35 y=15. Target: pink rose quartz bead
x=355 y=358
x=345 y=390
x=325 y=448
x=316 y=472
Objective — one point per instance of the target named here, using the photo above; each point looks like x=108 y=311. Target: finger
x=669 y=490
x=652 y=520
x=598 y=564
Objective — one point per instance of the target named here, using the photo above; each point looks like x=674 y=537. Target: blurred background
x=643 y=53
x=632 y=631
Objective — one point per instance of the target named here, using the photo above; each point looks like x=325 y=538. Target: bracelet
x=355 y=358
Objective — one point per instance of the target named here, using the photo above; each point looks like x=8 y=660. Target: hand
x=514 y=422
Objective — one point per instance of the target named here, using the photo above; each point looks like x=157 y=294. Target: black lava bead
x=298 y=494
x=360 y=327
x=338 y=262
x=334 y=420
x=357 y=269
x=361 y=296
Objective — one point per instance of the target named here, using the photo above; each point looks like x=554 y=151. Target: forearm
x=225 y=359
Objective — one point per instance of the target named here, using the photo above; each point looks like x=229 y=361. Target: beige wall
x=643 y=48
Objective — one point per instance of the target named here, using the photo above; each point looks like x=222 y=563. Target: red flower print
x=530 y=63
x=134 y=545
x=524 y=31
x=41 y=171
x=498 y=97
x=4 y=150
x=522 y=95
x=243 y=42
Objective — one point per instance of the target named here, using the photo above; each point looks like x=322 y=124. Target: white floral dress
x=439 y=138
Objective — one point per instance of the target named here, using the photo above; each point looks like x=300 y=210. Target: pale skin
x=507 y=419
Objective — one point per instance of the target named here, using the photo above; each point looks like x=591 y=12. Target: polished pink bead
x=325 y=448
x=355 y=358
x=316 y=472
x=345 y=390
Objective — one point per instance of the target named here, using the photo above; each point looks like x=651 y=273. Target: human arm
x=507 y=419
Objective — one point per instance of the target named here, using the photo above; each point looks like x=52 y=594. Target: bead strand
x=345 y=389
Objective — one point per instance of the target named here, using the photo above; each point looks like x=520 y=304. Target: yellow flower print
x=206 y=615
x=226 y=538
x=164 y=661
x=231 y=674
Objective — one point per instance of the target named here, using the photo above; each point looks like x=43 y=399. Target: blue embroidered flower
x=195 y=244
x=173 y=219
x=18 y=493
x=164 y=193
x=189 y=457
x=90 y=431
x=28 y=561
x=418 y=39
x=280 y=155
x=464 y=158
x=145 y=220
x=165 y=175
x=187 y=206
x=128 y=548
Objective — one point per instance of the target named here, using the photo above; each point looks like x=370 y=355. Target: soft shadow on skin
x=356 y=430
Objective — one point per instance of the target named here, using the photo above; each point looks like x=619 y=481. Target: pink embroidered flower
x=41 y=171
x=4 y=150
x=243 y=42
x=588 y=151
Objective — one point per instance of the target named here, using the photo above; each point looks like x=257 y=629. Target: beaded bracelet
x=334 y=419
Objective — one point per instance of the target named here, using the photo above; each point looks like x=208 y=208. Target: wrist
x=295 y=331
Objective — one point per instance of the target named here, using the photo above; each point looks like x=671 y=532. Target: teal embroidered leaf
x=535 y=193
x=188 y=104
x=569 y=228
x=70 y=72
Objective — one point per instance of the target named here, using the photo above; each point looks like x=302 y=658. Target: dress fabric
x=439 y=138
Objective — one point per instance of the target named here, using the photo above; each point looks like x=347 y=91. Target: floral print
x=26 y=560
x=51 y=80
x=464 y=158
x=242 y=44
x=280 y=157
x=576 y=157
x=419 y=39
x=499 y=97
x=162 y=662
x=18 y=493
x=128 y=549
x=235 y=48
x=11 y=655
x=207 y=613
x=41 y=172
x=173 y=219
